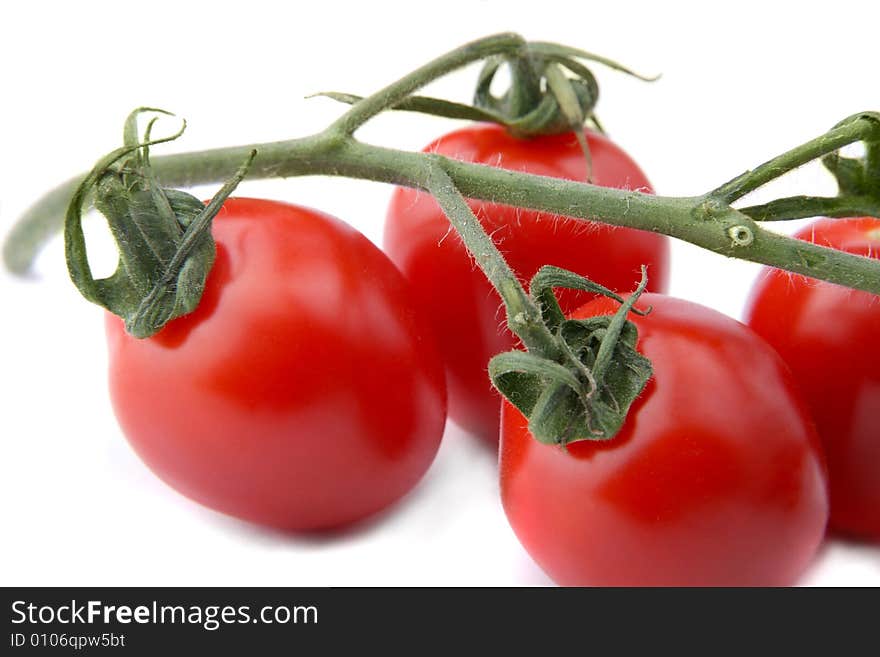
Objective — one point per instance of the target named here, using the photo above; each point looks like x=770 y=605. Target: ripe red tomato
x=302 y=393
x=716 y=478
x=462 y=306
x=829 y=337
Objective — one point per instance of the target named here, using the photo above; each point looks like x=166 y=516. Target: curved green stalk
x=707 y=221
x=698 y=220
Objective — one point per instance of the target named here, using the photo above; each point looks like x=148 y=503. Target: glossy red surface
x=716 y=477
x=829 y=337
x=463 y=308
x=303 y=392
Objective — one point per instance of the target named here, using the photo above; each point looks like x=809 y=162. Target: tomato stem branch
x=856 y=128
x=703 y=221
x=707 y=221
x=523 y=316
x=393 y=94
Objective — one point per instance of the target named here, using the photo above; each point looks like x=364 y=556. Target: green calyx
x=576 y=378
x=551 y=92
x=541 y=99
x=586 y=390
x=163 y=236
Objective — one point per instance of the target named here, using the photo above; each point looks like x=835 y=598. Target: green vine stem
x=523 y=315
x=394 y=93
x=708 y=221
x=700 y=220
x=850 y=130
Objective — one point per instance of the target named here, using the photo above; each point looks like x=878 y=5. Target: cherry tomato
x=829 y=337
x=716 y=478
x=462 y=305
x=302 y=393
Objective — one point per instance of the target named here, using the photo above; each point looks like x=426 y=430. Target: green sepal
x=528 y=111
x=163 y=236
x=587 y=395
x=424 y=105
x=521 y=376
x=549 y=117
x=622 y=378
x=143 y=292
x=549 y=277
x=557 y=404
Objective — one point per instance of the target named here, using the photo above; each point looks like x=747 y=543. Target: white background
x=741 y=82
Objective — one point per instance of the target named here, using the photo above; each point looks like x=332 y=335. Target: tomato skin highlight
x=465 y=310
x=828 y=335
x=716 y=478
x=303 y=393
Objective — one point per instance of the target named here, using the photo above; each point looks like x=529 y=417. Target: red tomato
x=716 y=478
x=463 y=307
x=302 y=393
x=829 y=336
